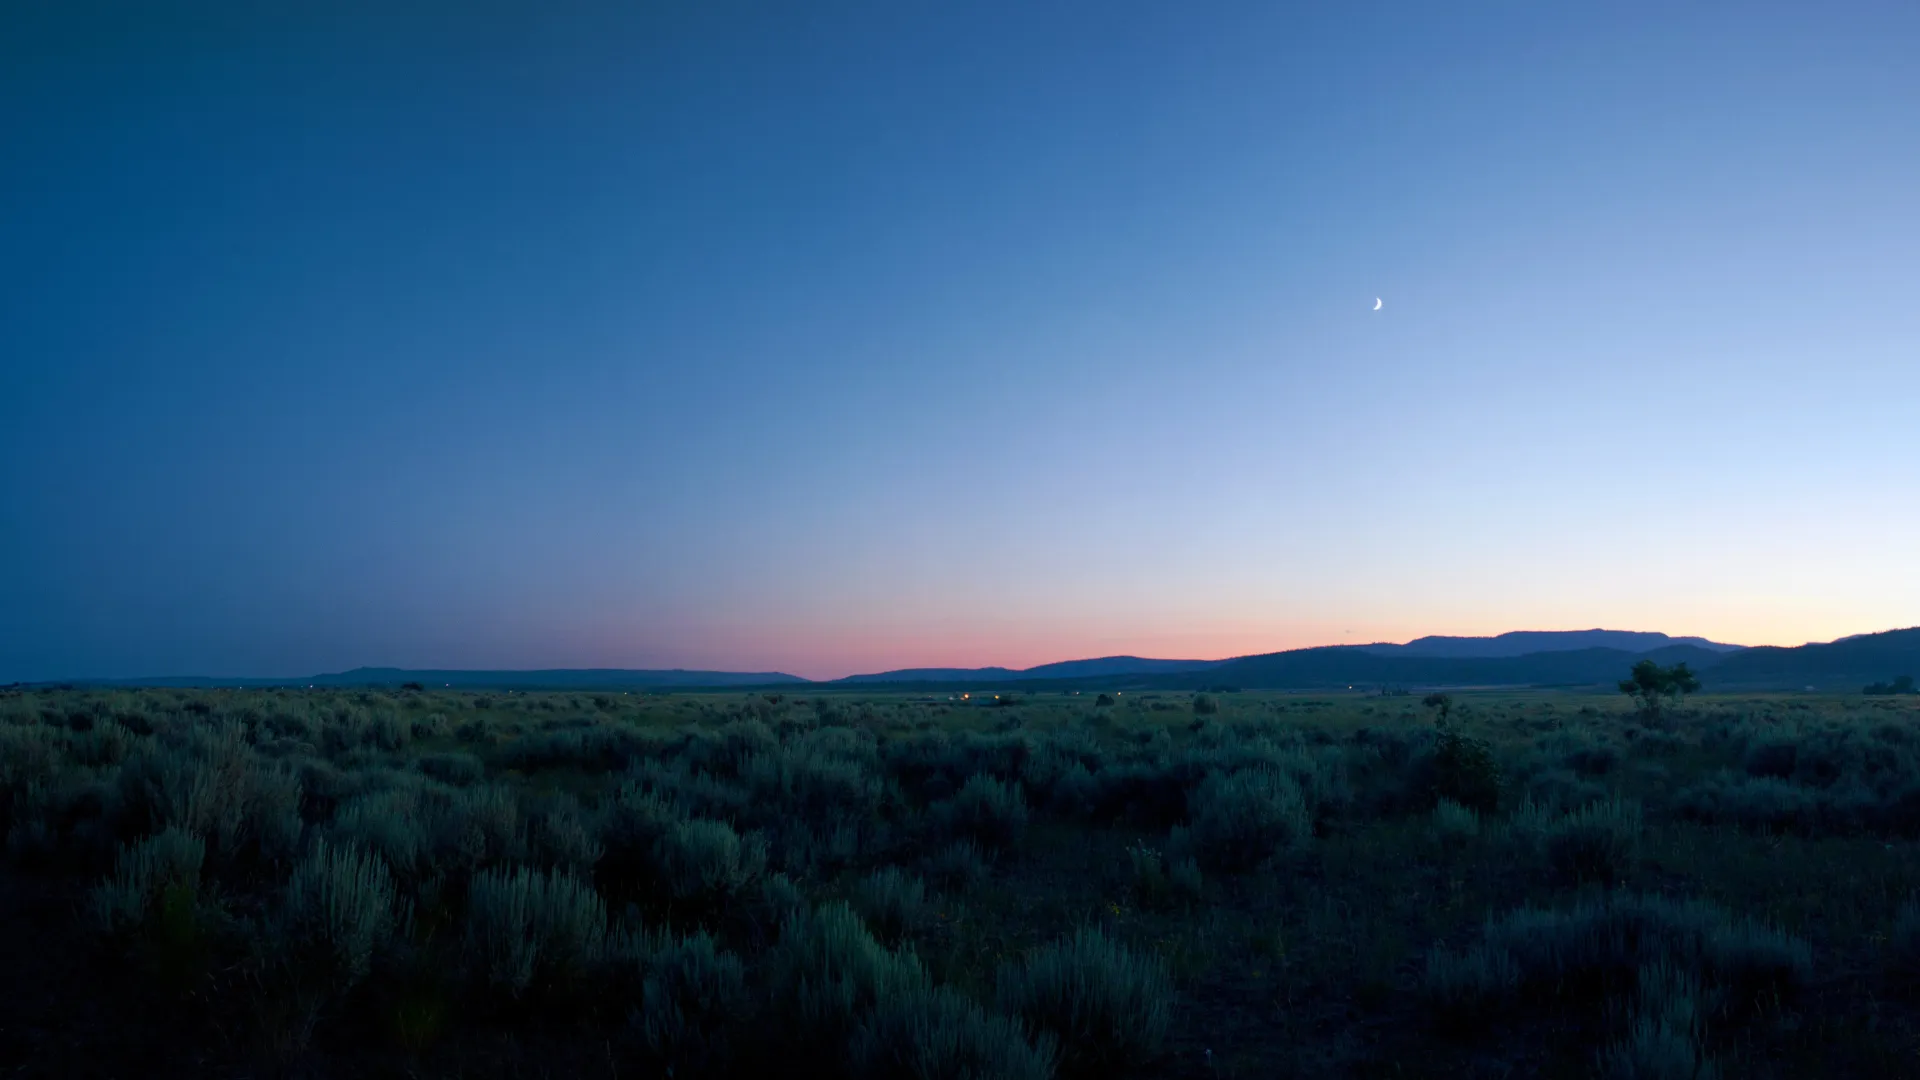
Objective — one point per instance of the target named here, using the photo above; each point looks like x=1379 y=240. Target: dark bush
x=986 y=811
x=460 y=770
x=1593 y=760
x=693 y=1006
x=1776 y=759
x=1464 y=771
x=893 y=902
x=926 y=1031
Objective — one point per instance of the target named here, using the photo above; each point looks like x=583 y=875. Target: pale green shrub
x=1240 y=820
x=706 y=860
x=527 y=927
x=144 y=873
x=957 y=867
x=934 y=1033
x=986 y=811
x=341 y=906
x=828 y=973
x=1108 y=1006
x=893 y=902
x=695 y=995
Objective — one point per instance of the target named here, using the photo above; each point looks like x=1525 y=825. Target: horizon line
x=135 y=679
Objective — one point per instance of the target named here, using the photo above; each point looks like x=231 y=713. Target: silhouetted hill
x=935 y=675
x=1361 y=666
x=1065 y=669
x=1527 y=642
x=1844 y=665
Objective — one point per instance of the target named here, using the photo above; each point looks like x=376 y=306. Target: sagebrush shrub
x=1760 y=804
x=702 y=860
x=1596 y=843
x=1469 y=985
x=694 y=998
x=217 y=788
x=473 y=828
x=986 y=811
x=526 y=927
x=927 y=1032
x=893 y=902
x=144 y=873
x=1240 y=820
x=340 y=907
x=956 y=867
x=1903 y=947
x=1662 y=1041
x=460 y=770
x=822 y=779
x=828 y=972
x=1593 y=760
x=1108 y=1006
x=566 y=836
x=1604 y=941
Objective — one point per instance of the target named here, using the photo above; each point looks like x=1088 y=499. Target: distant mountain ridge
x=1064 y=669
x=1567 y=660
x=1523 y=642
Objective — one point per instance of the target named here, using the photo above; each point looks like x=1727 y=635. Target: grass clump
x=1108 y=1006
x=1454 y=826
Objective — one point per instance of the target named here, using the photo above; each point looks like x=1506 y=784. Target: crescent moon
x=1376 y=303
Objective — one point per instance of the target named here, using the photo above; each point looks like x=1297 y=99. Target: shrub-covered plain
x=1117 y=883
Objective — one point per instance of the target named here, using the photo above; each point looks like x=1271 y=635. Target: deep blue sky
x=833 y=337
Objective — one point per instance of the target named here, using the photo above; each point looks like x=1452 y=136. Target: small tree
x=1463 y=767
x=1901 y=685
x=1651 y=685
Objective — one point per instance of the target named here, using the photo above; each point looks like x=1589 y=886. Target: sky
x=830 y=338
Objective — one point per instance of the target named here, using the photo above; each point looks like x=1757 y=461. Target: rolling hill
x=1066 y=669
x=1568 y=660
x=1844 y=665
x=1526 y=642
